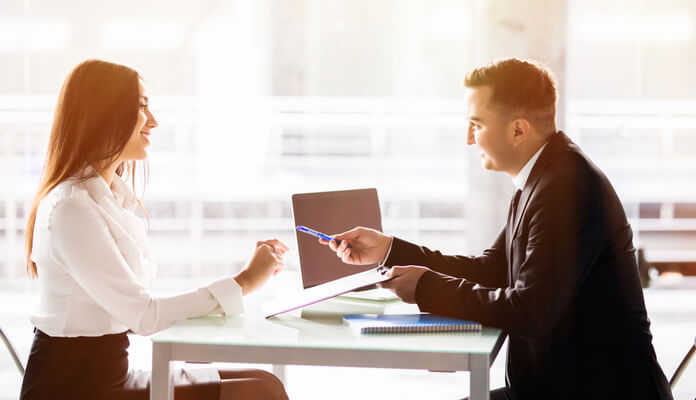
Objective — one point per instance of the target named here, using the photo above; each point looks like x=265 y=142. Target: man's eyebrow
x=475 y=119
x=145 y=98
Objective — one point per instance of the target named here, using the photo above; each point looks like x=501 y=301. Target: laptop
x=323 y=274
x=331 y=213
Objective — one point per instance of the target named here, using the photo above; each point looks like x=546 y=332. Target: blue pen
x=317 y=234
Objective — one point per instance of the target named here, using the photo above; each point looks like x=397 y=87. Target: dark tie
x=509 y=231
x=513 y=207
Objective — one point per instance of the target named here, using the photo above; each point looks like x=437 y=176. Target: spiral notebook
x=407 y=323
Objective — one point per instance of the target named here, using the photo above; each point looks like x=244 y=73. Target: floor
x=671 y=303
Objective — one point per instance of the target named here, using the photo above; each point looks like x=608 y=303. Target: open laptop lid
x=332 y=213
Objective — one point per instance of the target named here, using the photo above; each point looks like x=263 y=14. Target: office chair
x=13 y=352
x=682 y=366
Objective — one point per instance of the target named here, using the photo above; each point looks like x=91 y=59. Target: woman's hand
x=266 y=261
x=277 y=245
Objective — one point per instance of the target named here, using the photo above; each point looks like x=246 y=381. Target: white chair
x=13 y=352
x=682 y=366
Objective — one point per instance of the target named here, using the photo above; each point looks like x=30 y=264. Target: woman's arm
x=81 y=241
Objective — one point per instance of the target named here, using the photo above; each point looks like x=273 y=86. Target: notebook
x=407 y=323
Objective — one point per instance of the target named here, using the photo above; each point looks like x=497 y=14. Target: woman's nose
x=151 y=121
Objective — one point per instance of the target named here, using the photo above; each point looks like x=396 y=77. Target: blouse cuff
x=228 y=294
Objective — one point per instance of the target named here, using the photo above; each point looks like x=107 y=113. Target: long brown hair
x=95 y=115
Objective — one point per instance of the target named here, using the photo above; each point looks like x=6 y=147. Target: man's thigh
x=502 y=393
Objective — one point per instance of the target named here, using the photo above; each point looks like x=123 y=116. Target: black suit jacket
x=561 y=280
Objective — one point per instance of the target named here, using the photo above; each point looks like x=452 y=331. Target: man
x=561 y=279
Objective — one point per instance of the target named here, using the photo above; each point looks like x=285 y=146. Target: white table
x=316 y=336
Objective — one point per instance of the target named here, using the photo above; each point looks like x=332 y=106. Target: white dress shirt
x=95 y=267
x=521 y=179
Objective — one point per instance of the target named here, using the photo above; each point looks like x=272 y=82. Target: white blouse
x=94 y=263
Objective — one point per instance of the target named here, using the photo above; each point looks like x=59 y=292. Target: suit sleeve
x=561 y=243
x=489 y=269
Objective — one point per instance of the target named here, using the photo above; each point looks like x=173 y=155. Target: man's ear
x=521 y=130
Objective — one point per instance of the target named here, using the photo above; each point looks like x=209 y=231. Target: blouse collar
x=118 y=191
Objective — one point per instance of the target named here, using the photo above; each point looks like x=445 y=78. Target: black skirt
x=84 y=367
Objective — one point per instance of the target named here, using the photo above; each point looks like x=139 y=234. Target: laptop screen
x=331 y=213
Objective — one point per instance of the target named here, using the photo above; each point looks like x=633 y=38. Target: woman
x=92 y=257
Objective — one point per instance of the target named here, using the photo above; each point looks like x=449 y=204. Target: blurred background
x=257 y=100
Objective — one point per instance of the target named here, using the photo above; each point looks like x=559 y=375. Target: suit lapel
x=552 y=150
x=508 y=229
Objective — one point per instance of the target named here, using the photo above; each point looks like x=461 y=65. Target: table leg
x=479 y=378
x=161 y=386
x=279 y=371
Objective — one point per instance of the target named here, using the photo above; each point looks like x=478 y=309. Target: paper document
x=315 y=294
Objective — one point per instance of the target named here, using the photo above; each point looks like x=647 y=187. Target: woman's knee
x=250 y=373
x=273 y=389
x=253 y=388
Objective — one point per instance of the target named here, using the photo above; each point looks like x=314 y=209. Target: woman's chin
x=138 y=157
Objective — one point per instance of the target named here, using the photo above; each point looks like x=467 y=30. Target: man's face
x=488 y=129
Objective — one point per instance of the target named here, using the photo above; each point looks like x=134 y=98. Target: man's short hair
x=521 y=87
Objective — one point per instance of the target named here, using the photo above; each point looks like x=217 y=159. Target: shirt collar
x=119 y=191
x=521 y=179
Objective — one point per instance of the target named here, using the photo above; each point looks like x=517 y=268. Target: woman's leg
x=250 y=384
x=239 y=384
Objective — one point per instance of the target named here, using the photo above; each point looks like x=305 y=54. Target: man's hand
x=367 y=246
x=404 y=281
